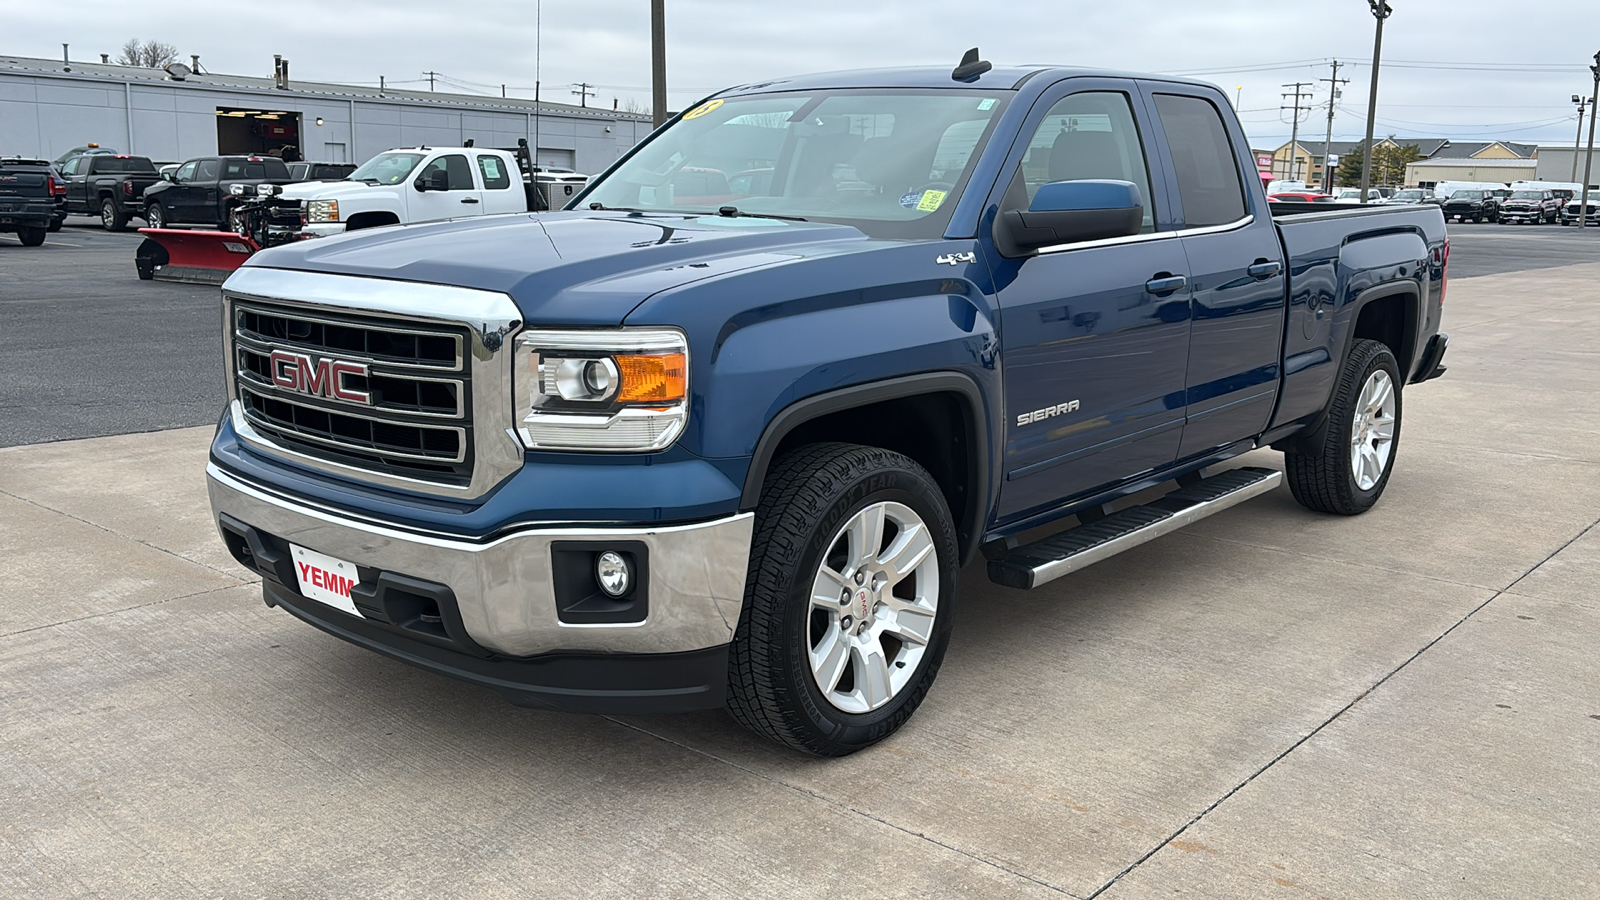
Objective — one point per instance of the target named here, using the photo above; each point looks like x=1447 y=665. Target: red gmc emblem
x=319 y=378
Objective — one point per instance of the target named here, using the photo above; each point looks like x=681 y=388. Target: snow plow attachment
x=194 y=257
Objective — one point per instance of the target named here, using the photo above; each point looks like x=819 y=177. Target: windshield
x=387 y=168
x=1527 y=195
x=890 y=162
x=1408 y=195
x=1469 y=195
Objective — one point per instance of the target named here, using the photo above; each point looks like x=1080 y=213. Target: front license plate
x=325 y=579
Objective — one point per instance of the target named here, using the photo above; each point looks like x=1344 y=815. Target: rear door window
x=496 y=176
x=1203 y=157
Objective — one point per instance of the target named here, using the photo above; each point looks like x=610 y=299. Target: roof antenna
x=971 y=67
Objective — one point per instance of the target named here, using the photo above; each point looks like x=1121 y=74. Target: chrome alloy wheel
x=873 y=605
x=1372 y=432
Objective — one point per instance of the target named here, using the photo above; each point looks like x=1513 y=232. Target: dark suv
x=201 y=191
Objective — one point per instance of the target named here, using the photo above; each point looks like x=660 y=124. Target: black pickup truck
x=202 y=191
x=27 y=199
x=110 y=186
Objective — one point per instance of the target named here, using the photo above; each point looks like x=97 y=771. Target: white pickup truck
x=413 y=185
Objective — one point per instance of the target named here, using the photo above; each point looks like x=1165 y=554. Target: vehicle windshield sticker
x=986 y=103
x=930 y=201
x=702 y=109
x=910 y=201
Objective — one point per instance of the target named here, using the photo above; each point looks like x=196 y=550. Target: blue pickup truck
x=725 y=430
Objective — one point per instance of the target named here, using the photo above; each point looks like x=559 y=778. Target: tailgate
x=24 y=184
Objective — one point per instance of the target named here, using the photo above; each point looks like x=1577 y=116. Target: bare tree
x=150 y=54
x=632 y=105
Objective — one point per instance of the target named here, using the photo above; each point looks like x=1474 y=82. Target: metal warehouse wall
x=47 y=114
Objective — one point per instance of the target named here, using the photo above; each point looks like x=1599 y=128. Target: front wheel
x=849 y=601
x=155 y=216
x=1346 y=472
x=112 y=218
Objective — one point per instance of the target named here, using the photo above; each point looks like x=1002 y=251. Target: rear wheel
x=112 y=218
x=849 y=600
x=31 y=237
x=1347 y=471
x=155 y=216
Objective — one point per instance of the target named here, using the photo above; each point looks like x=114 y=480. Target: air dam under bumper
x=492 y=612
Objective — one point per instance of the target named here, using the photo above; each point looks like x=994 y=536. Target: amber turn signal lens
x=660 y=378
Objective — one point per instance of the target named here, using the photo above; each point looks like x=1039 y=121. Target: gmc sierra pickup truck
x=684 y=446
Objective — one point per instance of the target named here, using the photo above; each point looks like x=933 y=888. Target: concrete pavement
x=1272 y=703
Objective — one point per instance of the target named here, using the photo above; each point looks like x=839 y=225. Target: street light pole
x=1380 y=10
x=658 y=62
x=1588 y=162
x=1577 y=142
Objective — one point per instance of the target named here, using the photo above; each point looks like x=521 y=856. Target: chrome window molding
x=1152 y=236
x=489 y=317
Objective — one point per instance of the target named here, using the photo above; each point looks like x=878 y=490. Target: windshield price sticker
x=702 y=109
x=923 y=201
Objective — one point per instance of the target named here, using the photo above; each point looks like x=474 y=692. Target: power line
x=1327 y=143
x=1294 y=138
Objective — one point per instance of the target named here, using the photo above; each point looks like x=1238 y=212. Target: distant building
x=1565 y=164
x=1306 y=164
x=48 y=107
x=1429 y=173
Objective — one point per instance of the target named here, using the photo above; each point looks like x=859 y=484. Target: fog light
x=611 y=569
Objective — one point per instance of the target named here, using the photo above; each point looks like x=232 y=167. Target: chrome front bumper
x=503 y=586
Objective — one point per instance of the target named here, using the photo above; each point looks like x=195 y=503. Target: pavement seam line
x=126 y=537
x=1331 y=719
x=113 y=612
x=1333 y=559
x=801 y=789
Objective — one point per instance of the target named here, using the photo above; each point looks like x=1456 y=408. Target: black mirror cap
x=1020 y=232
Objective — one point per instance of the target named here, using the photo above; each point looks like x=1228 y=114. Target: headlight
x=322 y=211
x=238 y=190
x=623 y=390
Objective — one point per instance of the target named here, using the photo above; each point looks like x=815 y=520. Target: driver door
x=461 y=197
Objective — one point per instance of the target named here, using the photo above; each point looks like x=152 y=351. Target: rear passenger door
x=1094 y=335
x=502 y=186
x=1235 y=271
x=203 y=200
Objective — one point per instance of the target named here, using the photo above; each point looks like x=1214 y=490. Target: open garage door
x=259 y=132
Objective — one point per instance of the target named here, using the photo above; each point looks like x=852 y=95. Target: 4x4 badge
x=952 y=259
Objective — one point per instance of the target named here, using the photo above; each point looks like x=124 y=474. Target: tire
x=1324 y=477
x=31 y=237
x=155 y=215
x=818 y=501
x=55 y=225
x=112 y=218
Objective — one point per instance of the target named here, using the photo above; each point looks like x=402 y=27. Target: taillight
x=1444 y=271
x=127 y=188
x=57 y=189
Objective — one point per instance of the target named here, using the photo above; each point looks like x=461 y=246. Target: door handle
x=1162 y=285
x=1263 y=269
x=469 y=200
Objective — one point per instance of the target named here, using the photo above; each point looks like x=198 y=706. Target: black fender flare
x=969 y=532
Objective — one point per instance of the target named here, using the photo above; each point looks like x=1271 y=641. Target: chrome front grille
x=413 y=414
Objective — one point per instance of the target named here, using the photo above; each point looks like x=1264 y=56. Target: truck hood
x=333 y=190
x=570 y=268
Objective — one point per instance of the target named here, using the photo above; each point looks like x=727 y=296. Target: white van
x=1444 y=189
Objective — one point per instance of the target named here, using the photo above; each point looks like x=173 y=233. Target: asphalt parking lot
x=1270 y=703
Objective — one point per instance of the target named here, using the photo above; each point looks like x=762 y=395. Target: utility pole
x=430 y=79
x=1381 y=10
x=1298 y=94
x=583 y=93
x=1588 y=162
x=658 y=62
x=1327 y=143
x=1578 y=141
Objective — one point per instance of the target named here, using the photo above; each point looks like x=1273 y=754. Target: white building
x=48 y=107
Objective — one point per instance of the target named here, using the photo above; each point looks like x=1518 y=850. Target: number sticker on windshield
x=702 y=109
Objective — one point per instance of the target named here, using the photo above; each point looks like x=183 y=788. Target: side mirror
x=1066 y=212
x=434 y=180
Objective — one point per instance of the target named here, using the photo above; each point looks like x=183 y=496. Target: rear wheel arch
x=936 y=419
x=1389 y=314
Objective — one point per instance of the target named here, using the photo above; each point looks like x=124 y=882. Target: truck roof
x=997 y=78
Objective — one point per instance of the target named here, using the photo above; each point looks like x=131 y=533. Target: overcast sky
x=1453 y=68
